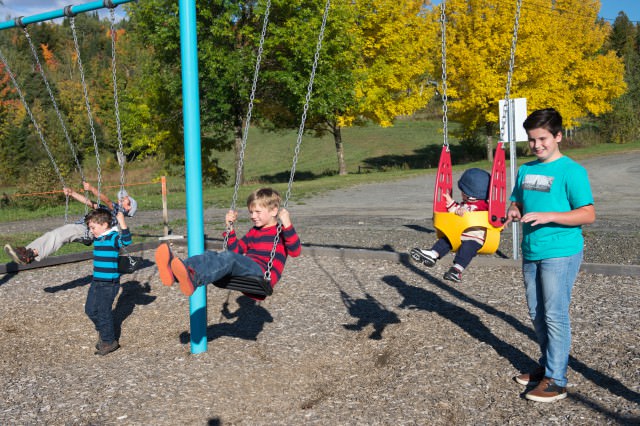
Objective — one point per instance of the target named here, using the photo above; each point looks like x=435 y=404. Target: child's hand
x=231 y=217
x=284 y=217
x=67 y=191
x=513 y=214
x=447 y=198
x=86 y=186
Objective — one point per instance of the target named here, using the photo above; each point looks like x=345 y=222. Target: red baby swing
x=450 y=224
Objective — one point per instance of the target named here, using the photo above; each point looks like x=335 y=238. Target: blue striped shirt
x=106 y=249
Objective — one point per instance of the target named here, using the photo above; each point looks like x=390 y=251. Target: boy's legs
x=98 y=307
x=467 y=251
x=548 y=285
x=211 y=266
x=429 y=257
x=51 y=241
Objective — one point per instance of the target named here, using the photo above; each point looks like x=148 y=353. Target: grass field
x=408 y=148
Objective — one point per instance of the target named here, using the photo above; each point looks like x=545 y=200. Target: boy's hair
x=100 y=216
x=265 y=197
x=547 y=118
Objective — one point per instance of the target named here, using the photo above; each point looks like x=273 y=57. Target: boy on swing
x=248 y=256
x=474 y=185
x=51 y=241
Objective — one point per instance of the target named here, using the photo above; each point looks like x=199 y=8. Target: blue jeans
x=98 y=307
x=211 y=266
x=548 y=284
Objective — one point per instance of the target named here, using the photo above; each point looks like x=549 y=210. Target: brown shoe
x=184 y=275
x=531 y=379
x=21 y=255
x=105 y=348
x=163 y=262
x=547 y=391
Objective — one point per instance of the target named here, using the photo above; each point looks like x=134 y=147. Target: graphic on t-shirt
x=539 y=183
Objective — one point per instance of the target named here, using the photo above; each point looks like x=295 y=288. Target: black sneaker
x=21 y=255
x=105 y=348
x=420 y=256
x=453 y=275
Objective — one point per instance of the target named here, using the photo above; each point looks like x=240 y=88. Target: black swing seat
x=253 y=284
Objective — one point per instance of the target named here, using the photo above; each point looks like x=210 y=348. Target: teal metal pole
x=193 y=165
x=61 y=13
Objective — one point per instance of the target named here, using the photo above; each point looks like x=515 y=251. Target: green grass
x=409 y=148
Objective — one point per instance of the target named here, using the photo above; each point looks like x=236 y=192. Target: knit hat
x=475 y=183
x=134 y=204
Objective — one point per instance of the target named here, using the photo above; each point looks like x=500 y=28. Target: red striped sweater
x=258 y=243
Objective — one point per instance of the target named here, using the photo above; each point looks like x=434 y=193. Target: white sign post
x=516 y=113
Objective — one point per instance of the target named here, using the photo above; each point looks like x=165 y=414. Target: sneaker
x=105 y=348
x=453 y=275
x=531 y=379
x=21 y=255
x=420 y=256
x=163 y=262
x=184 y=275
x=547 y=391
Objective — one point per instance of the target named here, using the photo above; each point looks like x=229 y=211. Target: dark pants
x=212 y=266
x=467 y=251
x=98 y=307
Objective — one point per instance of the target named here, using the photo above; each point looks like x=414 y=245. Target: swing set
x=451 y=225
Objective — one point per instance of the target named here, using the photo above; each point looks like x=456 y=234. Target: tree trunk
x=490 y=148
x=337 y=138
x=238 y=151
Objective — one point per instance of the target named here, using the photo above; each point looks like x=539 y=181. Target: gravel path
x=341 y=341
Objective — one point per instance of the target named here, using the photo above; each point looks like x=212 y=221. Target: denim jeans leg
x=549 y=283
x=98 y=307
x=211 y=266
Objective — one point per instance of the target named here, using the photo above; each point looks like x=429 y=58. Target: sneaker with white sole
x=547 y=391
x=421 y=256
x=531 y=379
x=453 y=275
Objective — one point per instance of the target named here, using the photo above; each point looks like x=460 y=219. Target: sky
x=14 y=8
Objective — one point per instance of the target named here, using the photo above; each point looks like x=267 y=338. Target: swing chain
x=512 y=59
x=53 y=100
x=120 y=153
x=443 y=29
x=72 y=22
x=316 y=58
x=35 y=124
x=247 y=122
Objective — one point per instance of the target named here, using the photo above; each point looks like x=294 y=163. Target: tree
x=568 y=72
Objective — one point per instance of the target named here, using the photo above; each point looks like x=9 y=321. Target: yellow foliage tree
x=559 y=61
x=392 y=80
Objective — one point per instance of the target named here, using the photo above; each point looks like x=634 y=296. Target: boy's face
x=544 y=145
x=262 y=215
x=126 y=204
x=98 y=229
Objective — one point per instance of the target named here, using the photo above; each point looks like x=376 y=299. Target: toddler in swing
x=474 y=185
x=247 y=256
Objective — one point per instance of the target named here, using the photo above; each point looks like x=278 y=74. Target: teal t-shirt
x=559 y=186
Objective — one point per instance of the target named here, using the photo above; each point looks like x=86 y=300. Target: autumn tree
x=559 y=60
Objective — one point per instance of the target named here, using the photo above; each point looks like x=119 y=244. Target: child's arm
x=125 y=234
x=88 y=187
x=514 y=213
x=291 y=239
x=79 y=197
x=584 y=215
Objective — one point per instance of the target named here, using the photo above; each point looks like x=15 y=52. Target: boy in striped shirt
x=248 y=256
x=106 y=278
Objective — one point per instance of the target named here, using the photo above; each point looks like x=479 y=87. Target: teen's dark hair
x=98 y=216
x=547 y=118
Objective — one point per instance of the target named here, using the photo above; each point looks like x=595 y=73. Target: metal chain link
x=72 y=22
x=512 y=60
x=445 y=119
x=316 y=58
x=53 y=100
x=37 y=127
x=120 y=154
x=247 y=123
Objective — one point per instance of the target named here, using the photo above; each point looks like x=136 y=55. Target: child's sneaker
x=163 y=261
x=453 y=275
x=421 y=256
x=20 y=255
x=184 y=275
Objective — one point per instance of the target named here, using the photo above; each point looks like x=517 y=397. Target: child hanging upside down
x=474 y=185
x=248 y=256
